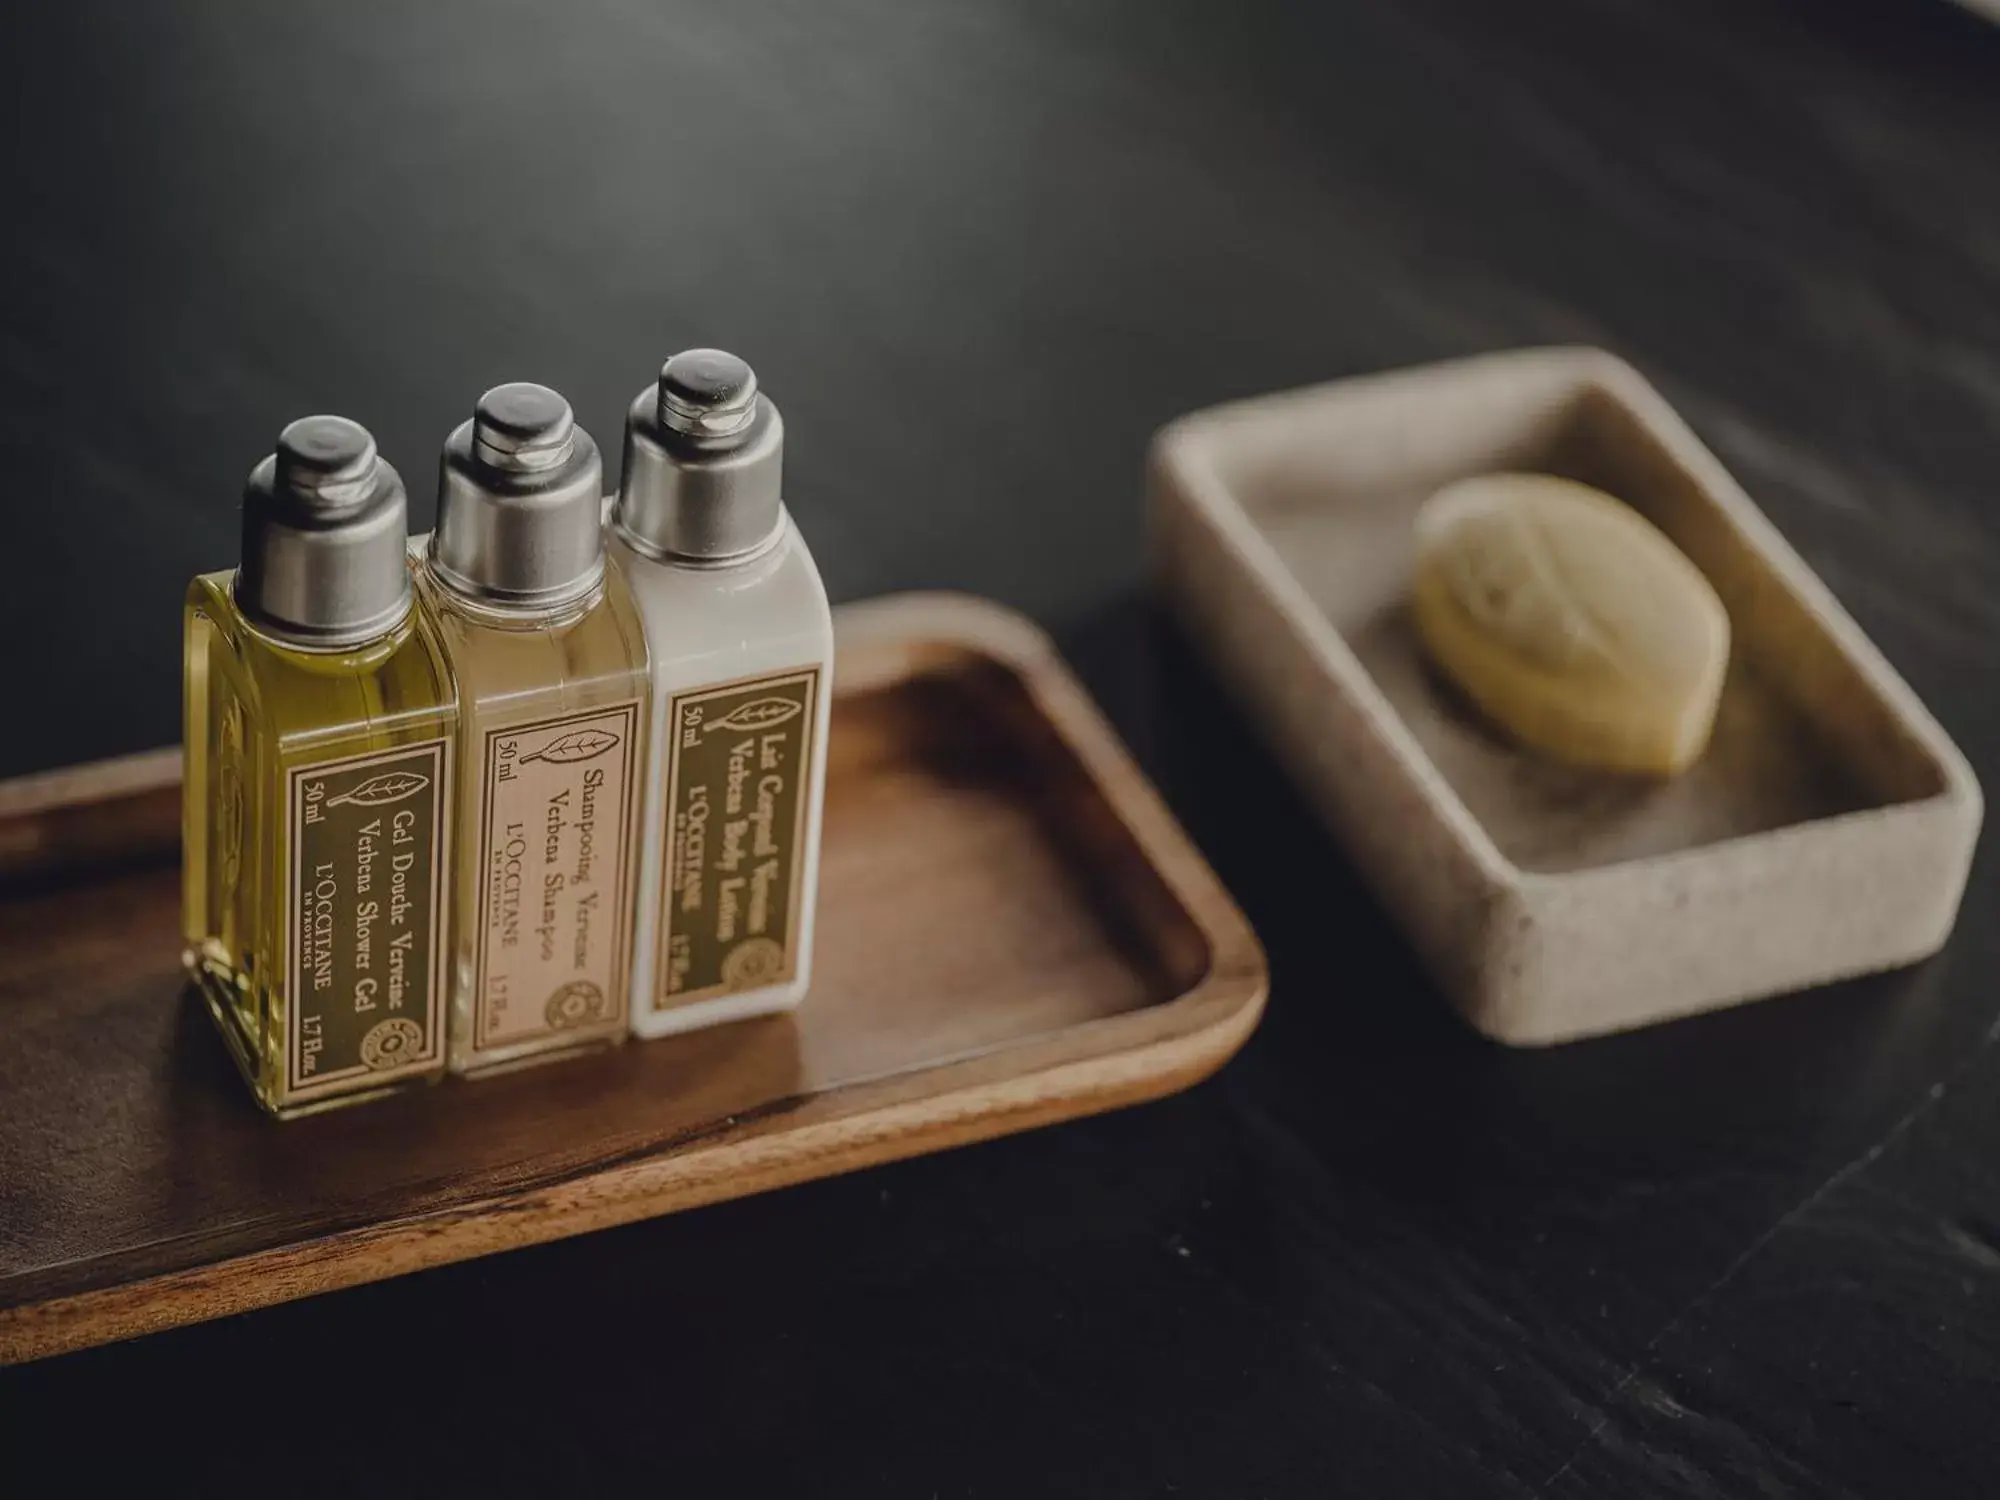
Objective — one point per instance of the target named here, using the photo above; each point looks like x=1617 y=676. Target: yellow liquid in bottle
x=292 y=756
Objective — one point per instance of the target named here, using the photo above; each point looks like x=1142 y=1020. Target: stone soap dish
x=1825 y=833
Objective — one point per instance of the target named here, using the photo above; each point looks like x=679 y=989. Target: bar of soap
x=1570 y=621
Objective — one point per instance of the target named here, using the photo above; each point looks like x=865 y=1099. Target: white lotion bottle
x=741 y=644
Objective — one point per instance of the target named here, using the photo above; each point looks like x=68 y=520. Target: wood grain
x=69 y=820
x=978 y=252
x=1012 y=932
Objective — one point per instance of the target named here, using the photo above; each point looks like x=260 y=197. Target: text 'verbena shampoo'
x=550 y=659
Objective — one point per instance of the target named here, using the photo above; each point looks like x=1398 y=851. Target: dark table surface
x=978 y=252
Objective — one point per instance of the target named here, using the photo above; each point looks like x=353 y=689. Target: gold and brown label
x=366 y=981
x=556 y=814
x=739 y=758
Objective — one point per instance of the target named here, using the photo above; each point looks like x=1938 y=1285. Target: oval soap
x=1571 y=621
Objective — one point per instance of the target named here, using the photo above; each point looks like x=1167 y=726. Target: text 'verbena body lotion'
x=741 y=645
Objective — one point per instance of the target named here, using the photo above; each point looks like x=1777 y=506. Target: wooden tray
x=1013 y=932
x=1825 y=833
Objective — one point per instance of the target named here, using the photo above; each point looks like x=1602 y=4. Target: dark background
x=978 y=253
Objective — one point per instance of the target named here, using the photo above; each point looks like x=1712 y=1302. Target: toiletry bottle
x=742 y=665
x=319 y=723
x=550 y=660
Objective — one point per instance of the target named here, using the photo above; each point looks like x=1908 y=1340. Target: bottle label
x=366 y=979
x=557 y=816
x=738 y=768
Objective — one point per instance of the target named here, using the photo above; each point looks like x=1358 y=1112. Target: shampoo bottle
x=550 y=660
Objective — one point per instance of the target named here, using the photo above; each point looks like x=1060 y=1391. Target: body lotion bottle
x=742 y=661
x=550 y=660
x=320 y=715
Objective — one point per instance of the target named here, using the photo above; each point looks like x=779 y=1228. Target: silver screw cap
x=325 y=532
x=704 y=463
x=520 y=503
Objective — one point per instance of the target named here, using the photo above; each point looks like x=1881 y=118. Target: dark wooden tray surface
x=1013 y=931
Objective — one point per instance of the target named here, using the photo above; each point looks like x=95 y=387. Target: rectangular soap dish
x=1012 y=931
x=1826 y=832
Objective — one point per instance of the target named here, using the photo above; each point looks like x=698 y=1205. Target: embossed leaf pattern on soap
x=377 y=790
x=1571 y=620
x=759 y=713
x=581 y=744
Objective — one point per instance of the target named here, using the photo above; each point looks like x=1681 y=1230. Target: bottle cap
x=325 y=533
x=520 y=503
x=704 y=463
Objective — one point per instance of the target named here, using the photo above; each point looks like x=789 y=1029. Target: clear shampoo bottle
x=550 y=659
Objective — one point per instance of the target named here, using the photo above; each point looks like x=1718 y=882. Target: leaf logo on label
x=584 y=744
x=378 y=790
x=759 y=713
